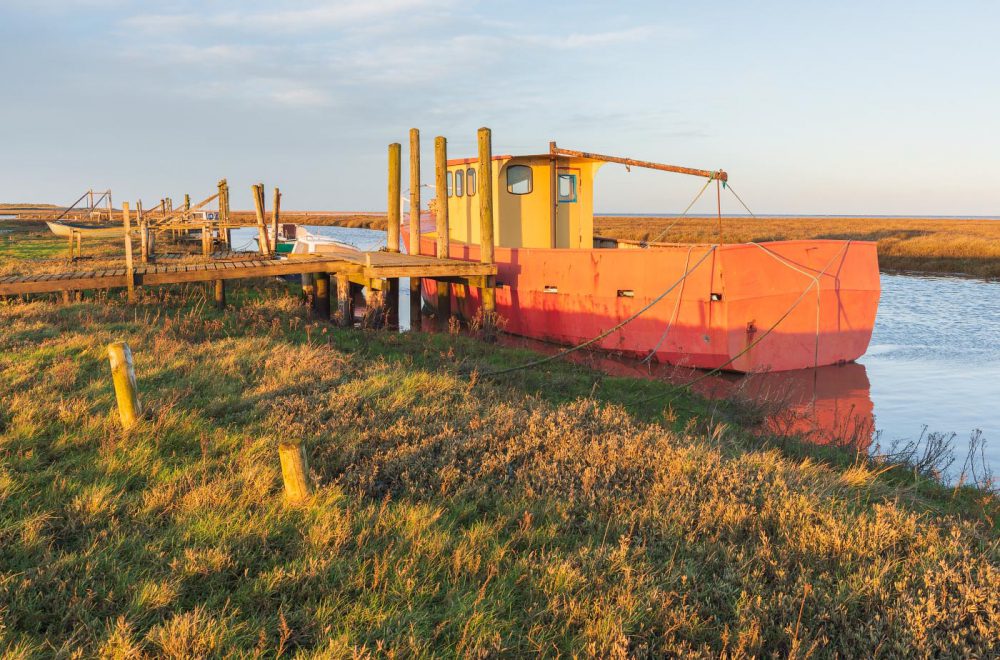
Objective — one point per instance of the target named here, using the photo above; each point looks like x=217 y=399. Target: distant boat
x=295 y=239
x=768 y=306
x=66 y=229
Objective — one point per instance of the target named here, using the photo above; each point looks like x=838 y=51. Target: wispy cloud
x=320 y=16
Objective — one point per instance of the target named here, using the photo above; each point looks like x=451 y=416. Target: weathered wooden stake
x=415 y=287
x=345 y=308
x=441 y=217
x=123 y=376
x=323 y=295
x=485 y=192
x=294 y=471
x=71 y=237
x=79 y=243
x=220 y=294
x=129 y=269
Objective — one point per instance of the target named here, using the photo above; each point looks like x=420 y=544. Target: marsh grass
x=538 y=513
x=543 y=512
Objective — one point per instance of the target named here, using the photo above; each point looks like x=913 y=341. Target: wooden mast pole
x=719 y=175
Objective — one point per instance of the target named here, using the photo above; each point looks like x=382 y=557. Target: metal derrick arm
x=719 y=175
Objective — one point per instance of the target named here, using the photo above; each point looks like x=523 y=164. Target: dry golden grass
x=970 y=247
x=453 y=516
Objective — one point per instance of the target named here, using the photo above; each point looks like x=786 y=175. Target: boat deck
x=366 y=266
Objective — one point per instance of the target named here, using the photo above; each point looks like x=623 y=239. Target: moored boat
x=769 y=306
x=66 y=229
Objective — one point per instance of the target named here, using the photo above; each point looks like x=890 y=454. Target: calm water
x=933 y=364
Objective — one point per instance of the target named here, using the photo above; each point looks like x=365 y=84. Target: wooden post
x=143 y=241
x=206 y=241
x=391 y=297
x=187 y=202
x=323 y=295
x=441 y=213
x=308 y=289
x=129 y=269
x=123 y=376
x=72 y=235
x=415 y=287
x=345 y=308
x=220 y=294
x=294 y=471
x=485 y=192
x=258 y=202
x=275 y=218
x=392 y=233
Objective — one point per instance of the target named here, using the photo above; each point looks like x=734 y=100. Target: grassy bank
x=455 y=515
x=969 y=247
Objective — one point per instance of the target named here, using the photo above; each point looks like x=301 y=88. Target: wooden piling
x=258 y=202
x=143 y=241
x=322 y=304
x=294 y=471
x=129 y=267
x=72 y=235
x=220 y=294
x=308 y=289
x=415 y=286
x=391 y=299
x=441 y=218
x=345 y=308
x=123 y=377
x=392 y=233
x=206 y=241
x=485 y=192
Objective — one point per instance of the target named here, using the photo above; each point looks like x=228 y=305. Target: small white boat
x=65 y=229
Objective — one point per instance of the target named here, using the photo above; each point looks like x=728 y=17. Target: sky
x=813 y=108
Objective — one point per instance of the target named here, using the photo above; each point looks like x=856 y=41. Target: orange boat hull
x=746 y=307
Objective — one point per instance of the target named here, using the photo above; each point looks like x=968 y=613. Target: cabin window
x=567 y=187
x=519 y=179
x=470 y=181
x=459 y=180
x=447 y=179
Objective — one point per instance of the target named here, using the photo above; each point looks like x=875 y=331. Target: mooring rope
x=730 y=189
x=673 y=315
x=550 y=358
x=754 y=343
x=681 y=216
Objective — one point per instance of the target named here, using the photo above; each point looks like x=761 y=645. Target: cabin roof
x=468 y=161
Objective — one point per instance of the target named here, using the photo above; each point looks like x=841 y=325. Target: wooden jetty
x=378 y=271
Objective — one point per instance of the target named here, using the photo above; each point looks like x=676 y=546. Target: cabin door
x=567 y=208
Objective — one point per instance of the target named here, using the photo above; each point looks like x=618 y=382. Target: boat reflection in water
x=828 y=405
